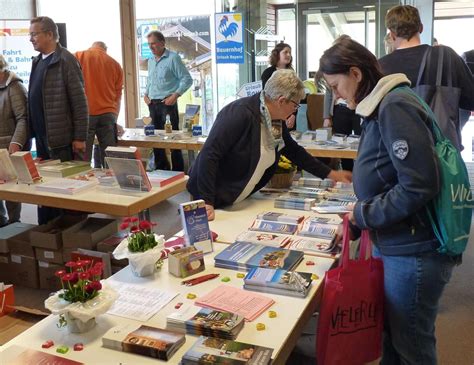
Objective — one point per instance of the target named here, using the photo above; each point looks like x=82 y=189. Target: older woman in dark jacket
x=244 y=145
x=13 y=126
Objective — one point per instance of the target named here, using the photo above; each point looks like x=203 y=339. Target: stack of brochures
x=263 y=238
x=245 y=255
x=315 y=182
x=206 y=322
x=273 y=226
x=66 y=186
x=63 y=169
x=319 y=227
x=312 y=245
x=211 y=350
x=283 y=282
x=294 y=202
x=306 y=192
x=144 y=340
x=280 y=217
x=332 y=207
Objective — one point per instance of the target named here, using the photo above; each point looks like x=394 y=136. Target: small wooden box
x=185 y=262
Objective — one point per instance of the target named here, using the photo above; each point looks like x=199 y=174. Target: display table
x=281 y=332
x=176 y=140
x=113 y=201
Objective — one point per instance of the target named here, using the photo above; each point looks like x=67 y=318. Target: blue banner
x=229 y=38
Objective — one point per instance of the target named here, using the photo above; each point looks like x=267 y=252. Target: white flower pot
x=75 y=325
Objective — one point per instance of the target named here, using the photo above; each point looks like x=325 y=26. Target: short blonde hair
x=3 y=64
x=284 y=83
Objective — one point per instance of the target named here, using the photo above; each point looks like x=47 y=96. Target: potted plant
x=82 y=297
x=142 y=247
x=284 y=174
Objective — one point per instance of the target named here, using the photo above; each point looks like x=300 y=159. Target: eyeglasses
x=35 y=34
x=297 y=106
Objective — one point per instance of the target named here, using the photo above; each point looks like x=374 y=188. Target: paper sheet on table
x=137 y=302
x=245 y=303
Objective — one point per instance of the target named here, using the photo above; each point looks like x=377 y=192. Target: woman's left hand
x=14 y=147
x=340 y=175
x=290 y=122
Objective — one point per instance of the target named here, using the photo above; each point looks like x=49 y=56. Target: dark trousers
x=345 y=121
x=105 y=127
x=158 y=112
x=45 y=214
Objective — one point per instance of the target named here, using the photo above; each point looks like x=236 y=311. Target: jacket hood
x=10 y=78
x=370 y=103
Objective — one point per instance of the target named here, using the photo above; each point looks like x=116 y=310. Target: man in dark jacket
x=404 y=25
x=58 y=115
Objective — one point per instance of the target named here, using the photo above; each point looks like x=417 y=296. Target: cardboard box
x=67 y=253
x=24 y=271
x=86 y=234
x=314 y=113
x=21 y=245
x=47 y=279
x=110 y=243
x=50 y=235
x=52 y=256
x=10 y=231
x=5 y=272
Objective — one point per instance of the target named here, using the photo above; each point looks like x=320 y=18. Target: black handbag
x=443 y=100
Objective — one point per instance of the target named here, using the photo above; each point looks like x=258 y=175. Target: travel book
x=143 y=340
x=305 y=192
x=66 y=186
x=25 y=167
x=164 y=177
x=274 y=227
x=206 y=322
x=196 y=225
x=7 y=171
x=263 y=238
x=63 y=169
x=280 y=217
x=123 y=152
x=215 y=351
x=318 y=227
x=245 y=255
x=130 y=173
x=278 y=281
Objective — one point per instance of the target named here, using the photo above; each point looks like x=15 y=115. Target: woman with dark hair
x=280 y=59
x=395 y=177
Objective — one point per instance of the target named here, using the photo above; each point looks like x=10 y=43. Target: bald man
x=103 y=78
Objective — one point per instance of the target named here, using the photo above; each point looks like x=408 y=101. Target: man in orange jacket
x=103 y=78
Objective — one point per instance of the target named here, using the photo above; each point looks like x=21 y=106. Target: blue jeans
x=413 y=287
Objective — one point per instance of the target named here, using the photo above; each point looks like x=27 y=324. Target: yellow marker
x=240 y=275
x=272 y=314
x=315 y=277
x=191 y=296
x=260 y=327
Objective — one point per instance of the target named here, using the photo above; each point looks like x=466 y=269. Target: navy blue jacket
x=230 y=155
x=396 y=171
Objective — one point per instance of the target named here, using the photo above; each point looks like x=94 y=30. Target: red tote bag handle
x=365 y=246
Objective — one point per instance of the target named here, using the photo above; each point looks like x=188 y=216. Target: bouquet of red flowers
x=80 y=280
x=141 y=237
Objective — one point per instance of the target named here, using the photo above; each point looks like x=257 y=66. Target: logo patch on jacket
x=400 y=149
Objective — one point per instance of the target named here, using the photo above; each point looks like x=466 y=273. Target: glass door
x=323 y=26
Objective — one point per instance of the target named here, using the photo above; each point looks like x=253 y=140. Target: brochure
x=196 y=225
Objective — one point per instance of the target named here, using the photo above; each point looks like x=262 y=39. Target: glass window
x=84 y=26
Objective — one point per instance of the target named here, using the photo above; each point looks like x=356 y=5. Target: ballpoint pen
x=199 y=279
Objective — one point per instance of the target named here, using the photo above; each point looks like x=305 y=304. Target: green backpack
x=450 y=212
